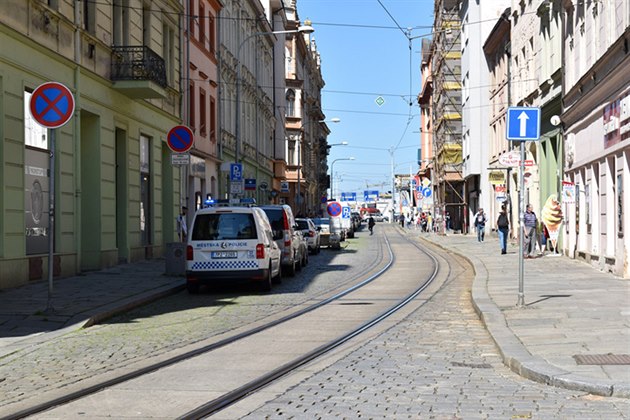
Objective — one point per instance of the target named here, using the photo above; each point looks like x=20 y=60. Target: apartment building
x=596 y=124
x=305 y=120
x=425 y=101
x=116 y=192
x=201 y=101
x=477 y=20
x=249 y=55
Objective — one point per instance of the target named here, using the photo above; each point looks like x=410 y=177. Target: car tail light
x=260 y=251
x=285 y=226
x=189 y=253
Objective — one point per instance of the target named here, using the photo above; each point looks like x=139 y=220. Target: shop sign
x=496 y=177
x=568 y=192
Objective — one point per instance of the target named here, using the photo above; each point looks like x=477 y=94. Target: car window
x=302 y=224
x=224 y=226
x=275 y=218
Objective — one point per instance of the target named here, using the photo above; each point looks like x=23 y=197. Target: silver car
x=311 y=235
x=290 y=238
x=330 y=235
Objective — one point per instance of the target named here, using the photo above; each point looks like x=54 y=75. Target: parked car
x=291 y=241
x=311 y=235
x=329 y=235
x=231 y=243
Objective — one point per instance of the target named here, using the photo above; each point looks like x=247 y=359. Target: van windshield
x=224 y=226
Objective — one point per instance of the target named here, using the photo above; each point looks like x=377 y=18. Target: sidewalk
x=78 y=301
x=573 y=314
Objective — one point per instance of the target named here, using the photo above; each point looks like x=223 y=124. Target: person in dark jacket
x=503 y=228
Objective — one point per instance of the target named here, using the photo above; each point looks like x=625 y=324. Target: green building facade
x=116 y=192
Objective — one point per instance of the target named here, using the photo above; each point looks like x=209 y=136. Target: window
x=89 y=16
x=202 y=112
x=212 y=37
x=145 y=190
x=213 y=119
x=121 y=22
x=191 y=19
x=202 y=24
x=168 y=51
x=34 y=134
x=290 y=103
x=191 y=109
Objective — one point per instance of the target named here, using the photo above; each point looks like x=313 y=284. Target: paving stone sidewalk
x=78 y=301
x=572 y=313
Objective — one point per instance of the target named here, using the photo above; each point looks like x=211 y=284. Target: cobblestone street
x=440 y=363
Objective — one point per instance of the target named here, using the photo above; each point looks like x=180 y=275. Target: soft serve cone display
x=551 y=216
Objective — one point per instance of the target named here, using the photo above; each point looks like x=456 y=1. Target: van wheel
x=278 y=278
x=265 y=285
x=305 y=261
x=299 y=264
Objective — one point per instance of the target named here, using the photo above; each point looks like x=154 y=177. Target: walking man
x=503 y=228
x=530 y=222
x=480 y=224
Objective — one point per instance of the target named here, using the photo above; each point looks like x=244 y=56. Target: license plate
x=224 y=254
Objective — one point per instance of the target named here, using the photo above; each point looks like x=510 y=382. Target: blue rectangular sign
x=523 y=123
x=348 y=196
x=370 y=195
x=236 y=171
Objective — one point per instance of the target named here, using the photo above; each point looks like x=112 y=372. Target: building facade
x=116 y=193
x=596 y=124
x=201 y=102
x=477 y=20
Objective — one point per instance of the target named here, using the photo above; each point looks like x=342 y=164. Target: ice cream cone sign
x=551 y=216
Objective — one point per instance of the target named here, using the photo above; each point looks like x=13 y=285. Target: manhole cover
x=602 y=359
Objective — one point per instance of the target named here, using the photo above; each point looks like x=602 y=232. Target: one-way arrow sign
x=523 y=123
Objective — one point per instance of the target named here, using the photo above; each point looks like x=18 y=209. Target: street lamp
x=332 y=191
x=306 y=29
x=298 y=198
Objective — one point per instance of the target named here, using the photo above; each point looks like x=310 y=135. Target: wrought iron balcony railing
x=138 y=63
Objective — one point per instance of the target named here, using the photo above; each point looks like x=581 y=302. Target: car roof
x=227 y=209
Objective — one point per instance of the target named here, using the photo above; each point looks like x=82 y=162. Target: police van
x=231 y=243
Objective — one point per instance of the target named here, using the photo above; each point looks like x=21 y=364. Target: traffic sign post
x=333 y=209
x=180 y=139
x=523 y=123
x=52 y=106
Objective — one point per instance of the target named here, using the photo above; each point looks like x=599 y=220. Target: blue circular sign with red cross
x=333 y=209
x=180 y=139
x=52 y=105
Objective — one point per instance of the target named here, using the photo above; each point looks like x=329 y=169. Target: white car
x=231 y=243
x=311 y=235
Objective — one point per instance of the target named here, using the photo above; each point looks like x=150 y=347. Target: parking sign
x=236 y=171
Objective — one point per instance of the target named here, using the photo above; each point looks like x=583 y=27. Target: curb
x=514 y=354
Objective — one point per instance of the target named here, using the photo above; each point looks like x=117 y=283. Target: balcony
x=138 y=72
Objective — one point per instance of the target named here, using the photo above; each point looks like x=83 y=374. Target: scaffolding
x=447 y=114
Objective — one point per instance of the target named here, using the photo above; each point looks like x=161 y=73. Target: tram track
x=239 y=392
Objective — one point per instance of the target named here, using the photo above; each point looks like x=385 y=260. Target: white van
x=231 y=243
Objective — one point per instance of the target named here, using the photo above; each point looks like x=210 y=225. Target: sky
x=365 y=54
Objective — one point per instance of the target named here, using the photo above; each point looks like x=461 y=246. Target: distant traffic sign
x=348 y=196
x=523 y=123
x=333 y=209
x=52 y=104
x=180 y=139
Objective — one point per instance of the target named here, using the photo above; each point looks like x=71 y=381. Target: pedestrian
x=480 y=224
x=182 y=227
x=429 y=222
x=401 y=219
x=503 y=228
x=447 y=219
x=371 y=224
x=529 y=233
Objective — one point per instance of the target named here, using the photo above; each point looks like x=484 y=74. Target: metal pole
x=391 y=154
x=51 y=222
x=299 y=169
x=521 y=211
x=332 y=191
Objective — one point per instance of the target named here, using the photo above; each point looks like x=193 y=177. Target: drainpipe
x=77 y=133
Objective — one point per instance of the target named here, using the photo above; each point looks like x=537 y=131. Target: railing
x=138 y=63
